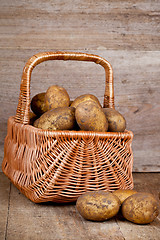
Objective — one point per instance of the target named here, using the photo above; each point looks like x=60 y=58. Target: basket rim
x=71 y=133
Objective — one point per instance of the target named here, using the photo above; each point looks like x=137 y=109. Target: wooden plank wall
x=126 y=33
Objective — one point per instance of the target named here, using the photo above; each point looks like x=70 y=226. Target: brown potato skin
x=116 y=122
x=56 y=97
x=83 y=98
x=38 y=105
x=32 y=118
x=140 y=208
x=98 y=205
x=90 y=117
x=123 y=194
x=57 y=119
x=70 y=102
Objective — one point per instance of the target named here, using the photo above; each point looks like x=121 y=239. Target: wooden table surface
x=22 y=219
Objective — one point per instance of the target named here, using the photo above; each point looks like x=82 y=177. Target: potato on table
x=140 y=208
x=123 y=194
x=98 y=205
x=57 y=119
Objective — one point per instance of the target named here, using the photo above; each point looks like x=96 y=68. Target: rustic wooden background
x=126 y=33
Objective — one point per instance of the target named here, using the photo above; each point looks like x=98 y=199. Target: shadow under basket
x=59 y=166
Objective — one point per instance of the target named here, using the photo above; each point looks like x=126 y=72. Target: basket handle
x=23 y=108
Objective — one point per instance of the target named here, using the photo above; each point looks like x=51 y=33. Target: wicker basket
x=59 y=166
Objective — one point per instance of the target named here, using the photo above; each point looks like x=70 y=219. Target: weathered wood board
x=52 y=221
x=143 y=183
x=27 y=220
x=127 y=33
x=5 y=187
x=80 y=25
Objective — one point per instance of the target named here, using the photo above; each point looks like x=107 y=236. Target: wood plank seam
x=119 y=228
x=9 y=198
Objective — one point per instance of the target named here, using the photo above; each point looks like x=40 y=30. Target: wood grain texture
x=53 y=221
x=27 y=220
x=127 y=33
x=136 y=84
x=143 y=183
x=4 y=204
x=81 y=25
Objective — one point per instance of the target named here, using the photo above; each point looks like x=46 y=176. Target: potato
x=56 y=96
x=70 y=102
x=116 y=122
x=98 y=205
x=122 y=194
x=141 y=208
x=90 y=117
x=84 y=98
x=38 y=104
x=57 y=119
x=32 y=117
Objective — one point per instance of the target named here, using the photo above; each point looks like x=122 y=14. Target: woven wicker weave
x=59 y=166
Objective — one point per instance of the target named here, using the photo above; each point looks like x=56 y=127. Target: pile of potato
x=140 y=208
x=54 y=111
